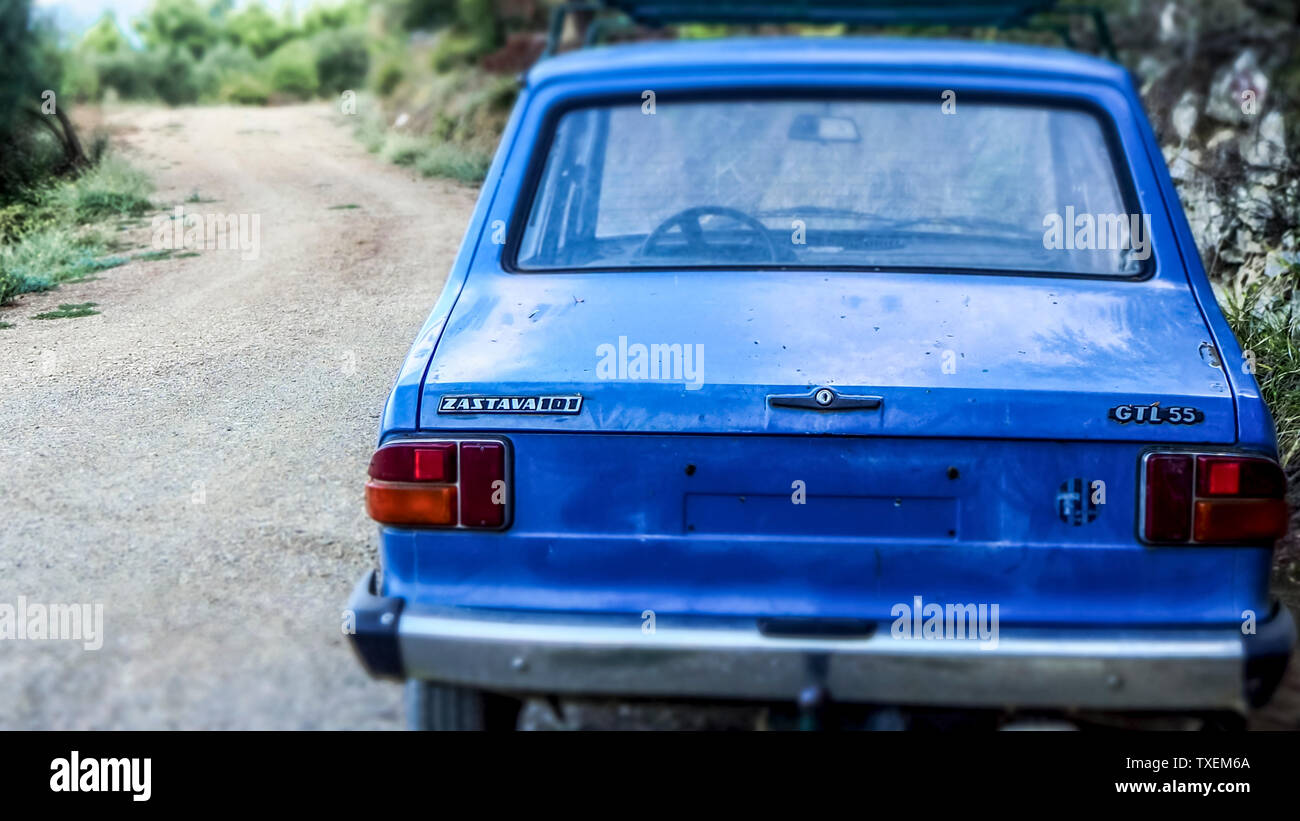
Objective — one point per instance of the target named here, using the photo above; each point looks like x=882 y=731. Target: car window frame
x=540 y=151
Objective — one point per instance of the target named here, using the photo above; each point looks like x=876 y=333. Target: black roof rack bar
x=1002 y=14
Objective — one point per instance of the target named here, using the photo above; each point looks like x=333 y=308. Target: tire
x=447 y=707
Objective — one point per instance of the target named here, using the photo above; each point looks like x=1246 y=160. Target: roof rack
x=604 y=17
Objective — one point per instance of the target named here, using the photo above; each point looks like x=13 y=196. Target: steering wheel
x=690 y=221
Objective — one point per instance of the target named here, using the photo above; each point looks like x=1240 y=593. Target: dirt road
x=192 y=457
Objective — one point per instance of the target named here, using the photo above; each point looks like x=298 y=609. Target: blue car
x=829 y=375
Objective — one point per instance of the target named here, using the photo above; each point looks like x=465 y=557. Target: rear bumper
x=1104 y=669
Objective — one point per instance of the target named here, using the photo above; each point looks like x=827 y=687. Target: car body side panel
x=1255 y=428
x=402 y=410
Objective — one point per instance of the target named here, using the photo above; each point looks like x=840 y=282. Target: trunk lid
x=949 y=355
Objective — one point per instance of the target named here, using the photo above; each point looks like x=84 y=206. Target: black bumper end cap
x=374 y=628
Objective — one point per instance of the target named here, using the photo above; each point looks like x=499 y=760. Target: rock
x=1173 y=23
x=1277 y=263
x=1221 y=138
x=1237 y=91
x=1151 y=70
x=1266 y=145
x=1184 y=115
x=1183 y=165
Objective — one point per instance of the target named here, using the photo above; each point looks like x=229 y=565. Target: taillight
x=1169 y=498
x=1212 y=499
x=439 y=484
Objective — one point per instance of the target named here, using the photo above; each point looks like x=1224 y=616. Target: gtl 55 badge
x=1153 y=414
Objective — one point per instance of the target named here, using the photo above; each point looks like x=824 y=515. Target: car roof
x=689 y=56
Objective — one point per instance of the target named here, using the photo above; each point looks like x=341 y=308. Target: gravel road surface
x=192 y=457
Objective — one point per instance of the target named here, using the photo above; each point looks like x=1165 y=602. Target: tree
x=104 y=37
x=178 y=24
x=255 y=28
x=29 y=87
x=320 y=18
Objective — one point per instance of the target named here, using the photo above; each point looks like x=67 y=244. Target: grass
x=345 y=207
x=429 y=155
x=4 y=325
x=111 y=189
x=1266 y=327
x=458 y=117
x=70 y=311
x=446 y=160
x=48 y=238
x=403 y=149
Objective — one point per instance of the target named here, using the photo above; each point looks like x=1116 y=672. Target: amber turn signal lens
x=1227 y=521
x=399 y=503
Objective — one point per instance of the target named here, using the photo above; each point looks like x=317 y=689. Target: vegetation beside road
x=190 y=52
x=56 y=193
x=1267 y=328
x=60 y=230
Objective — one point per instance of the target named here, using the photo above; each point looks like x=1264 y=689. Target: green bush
x=455 y=50
x=8 y=286
x=174 y=78
x=475 y=33
x=427 y=14
x=404 y=149
x=1269 y=328
x=453 y=162
x=42 y=242
x=255 y=28
x=80 y=79
x=389 y=75
x=178 y=24
x=29 y=160
x=342 y=59
x=221 y=66
x=129 y=73
x=46 y=258
x=292 y=70
x=111 y=189
x=145 y=75
x=245 y=89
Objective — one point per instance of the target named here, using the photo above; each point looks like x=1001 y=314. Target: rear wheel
x=432 y=706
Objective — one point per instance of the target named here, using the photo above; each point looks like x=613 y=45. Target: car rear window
x=891 y=184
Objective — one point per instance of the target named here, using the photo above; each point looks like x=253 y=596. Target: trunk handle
x=824 y=399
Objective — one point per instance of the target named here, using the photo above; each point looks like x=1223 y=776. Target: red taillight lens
x=425 y=462
x=443 y=484
x=1233 y=476
x=483 y=487
x=1213 y=499
x=1169 y=498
